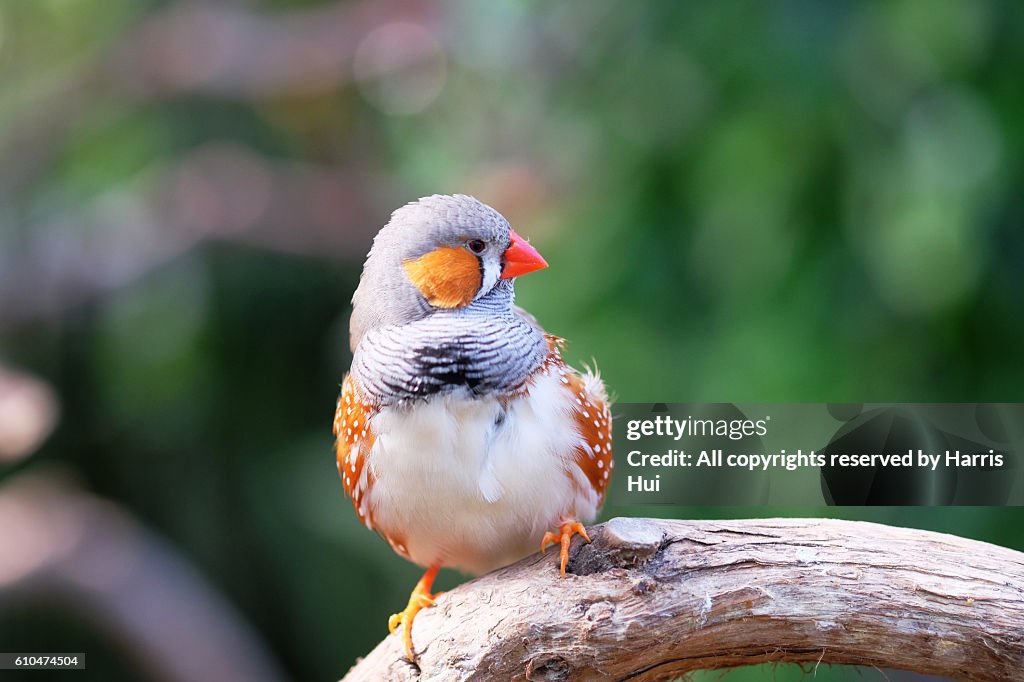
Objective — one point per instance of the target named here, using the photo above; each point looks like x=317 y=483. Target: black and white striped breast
x=483 y=352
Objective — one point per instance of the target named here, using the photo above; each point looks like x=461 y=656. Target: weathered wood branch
x=653 y=599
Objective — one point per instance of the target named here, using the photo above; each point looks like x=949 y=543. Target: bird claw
x=564 y=538
x=416 y=603
x=421 y=598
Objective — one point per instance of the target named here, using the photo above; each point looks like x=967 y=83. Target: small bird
x=462 y=436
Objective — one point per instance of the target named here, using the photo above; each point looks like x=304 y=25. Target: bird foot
x=564 y=537
x=420 y=599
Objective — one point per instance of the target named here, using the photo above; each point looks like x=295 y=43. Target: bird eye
x=477 y=246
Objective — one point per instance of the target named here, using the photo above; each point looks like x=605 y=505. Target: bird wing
x=592 y=416
x=353 y=440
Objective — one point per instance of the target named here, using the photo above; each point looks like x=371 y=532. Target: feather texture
x=461 y=434
x=473 y=482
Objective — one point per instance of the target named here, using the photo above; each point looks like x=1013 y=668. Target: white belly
x=464 y=491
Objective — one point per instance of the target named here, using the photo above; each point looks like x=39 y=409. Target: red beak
x=521 y=258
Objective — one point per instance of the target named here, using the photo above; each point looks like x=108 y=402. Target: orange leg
x=420 y=598
x=564 y=536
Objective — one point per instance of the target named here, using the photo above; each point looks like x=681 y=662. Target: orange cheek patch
x=448 y=277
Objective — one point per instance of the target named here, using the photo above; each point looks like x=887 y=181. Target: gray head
x=441 y=252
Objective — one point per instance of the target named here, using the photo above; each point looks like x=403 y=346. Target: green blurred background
x=740 y=201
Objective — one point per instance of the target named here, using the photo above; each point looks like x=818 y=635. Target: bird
x=461 y=434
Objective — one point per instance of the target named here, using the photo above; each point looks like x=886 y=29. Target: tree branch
x=653 y=599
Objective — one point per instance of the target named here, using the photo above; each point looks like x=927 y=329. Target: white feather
x=462 y=491
x=491 y=273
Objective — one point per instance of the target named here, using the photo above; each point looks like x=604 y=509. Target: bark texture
x=652 y=599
